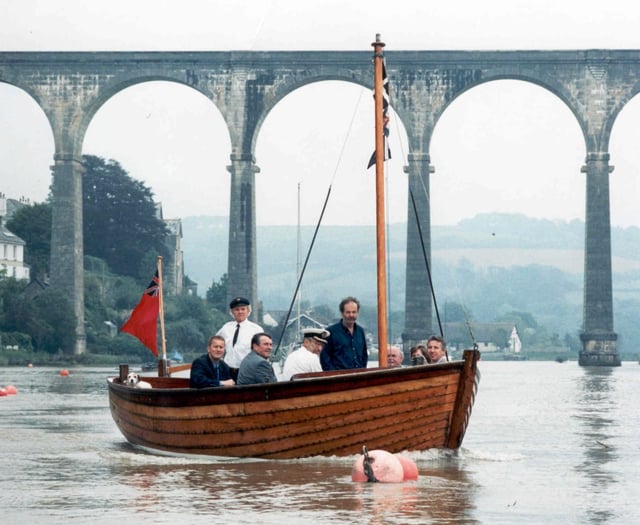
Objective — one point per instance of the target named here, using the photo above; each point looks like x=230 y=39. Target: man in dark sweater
x=346 y=345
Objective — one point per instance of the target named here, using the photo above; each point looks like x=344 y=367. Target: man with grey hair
x=237 y=334
x=394 y=357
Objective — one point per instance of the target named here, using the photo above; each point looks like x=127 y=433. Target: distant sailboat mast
x=299 y=294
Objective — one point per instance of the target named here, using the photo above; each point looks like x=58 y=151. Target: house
x=11 y=246
x=490 y=337
x=173 y=269
x=173 y=263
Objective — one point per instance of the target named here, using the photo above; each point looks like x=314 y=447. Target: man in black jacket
x=210 y=369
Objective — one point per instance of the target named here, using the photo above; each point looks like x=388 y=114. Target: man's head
x=394 y=357
x=215 y=348
x=349 y=308
x=436 y=348
x=262 y=344
x=240 y=309
x=314 y=339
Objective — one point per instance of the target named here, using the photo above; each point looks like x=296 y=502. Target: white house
x=11 y=248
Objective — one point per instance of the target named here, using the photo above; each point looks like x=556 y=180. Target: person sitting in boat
x=419 y=355
x=237 y=334
x=256 y=368
x=209 y=369
x=437 y=350
x=346 y=345
x=307 y=357
x=394 y=357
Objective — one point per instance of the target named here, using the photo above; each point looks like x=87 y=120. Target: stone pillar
x=418 y=297
x=67 y=265
x=242 y=268
x=598 y=338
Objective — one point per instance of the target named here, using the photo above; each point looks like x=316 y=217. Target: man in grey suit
x=256 y=368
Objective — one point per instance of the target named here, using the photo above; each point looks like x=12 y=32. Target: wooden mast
x=380 y=207
x=163 y=368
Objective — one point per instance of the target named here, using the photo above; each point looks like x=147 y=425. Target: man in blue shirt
x=346 y=345
x=210 y=369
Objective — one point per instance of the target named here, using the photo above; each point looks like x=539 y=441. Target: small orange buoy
x=30 y=365
x=409 y=467
x=377 y=465
x=64 y=372
x=11 y=390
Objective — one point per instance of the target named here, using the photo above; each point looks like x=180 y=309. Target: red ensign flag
x=143 y=322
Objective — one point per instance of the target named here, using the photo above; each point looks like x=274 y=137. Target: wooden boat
x=320 y=414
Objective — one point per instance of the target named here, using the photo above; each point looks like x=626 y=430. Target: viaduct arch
x=71 y=86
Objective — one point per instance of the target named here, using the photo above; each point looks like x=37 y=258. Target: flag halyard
x=385 y=117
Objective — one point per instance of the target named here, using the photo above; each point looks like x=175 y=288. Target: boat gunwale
x=344 y=382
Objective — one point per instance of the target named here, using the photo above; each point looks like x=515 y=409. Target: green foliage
x=189 y=322
x=53 y=328
x=217 y=293
x=16 y=339
x=33 y=225
x=120 y=220
x=455 y=313
x=47 y=318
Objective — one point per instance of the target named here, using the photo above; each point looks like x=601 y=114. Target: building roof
x=8 y=237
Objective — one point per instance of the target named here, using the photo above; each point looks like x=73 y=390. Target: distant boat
x=318 y=414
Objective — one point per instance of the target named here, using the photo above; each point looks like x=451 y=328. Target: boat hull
x=413 y=408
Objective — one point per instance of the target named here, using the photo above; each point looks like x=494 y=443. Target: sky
x=505 y=146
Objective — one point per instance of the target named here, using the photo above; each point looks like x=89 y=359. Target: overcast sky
x=506 y=146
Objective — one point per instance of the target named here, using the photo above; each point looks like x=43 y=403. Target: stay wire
x=315 y=233
x=298 y=284
x=424 y=251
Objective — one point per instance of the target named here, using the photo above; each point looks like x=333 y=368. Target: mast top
x=378 y=42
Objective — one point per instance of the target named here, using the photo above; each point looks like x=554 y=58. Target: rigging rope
x=424 y=251
x=276 y=353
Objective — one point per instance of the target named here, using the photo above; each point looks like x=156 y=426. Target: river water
x=548 y=443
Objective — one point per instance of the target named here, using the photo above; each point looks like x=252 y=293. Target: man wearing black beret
x=238 y=333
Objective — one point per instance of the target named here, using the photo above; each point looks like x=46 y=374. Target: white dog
x=133 y=379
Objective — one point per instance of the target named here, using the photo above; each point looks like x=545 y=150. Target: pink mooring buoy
x=11 y=390
x=377 y=465
x=409 y=467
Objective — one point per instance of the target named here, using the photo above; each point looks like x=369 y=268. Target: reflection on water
x=318 y=489
x=595 y=412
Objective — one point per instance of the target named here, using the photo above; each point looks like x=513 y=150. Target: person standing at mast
x=346 y=345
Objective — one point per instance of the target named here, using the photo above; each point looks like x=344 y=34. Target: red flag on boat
x=143 y=322
x=385 y=117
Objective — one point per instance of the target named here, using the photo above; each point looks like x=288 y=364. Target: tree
x=48 y=318
x=456 y=313
x=33 y=225
x=120 y=223
x=217 y=293
x=189 y=323
x=53 y=325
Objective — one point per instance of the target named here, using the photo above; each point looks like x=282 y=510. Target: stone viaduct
x=70 y=87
